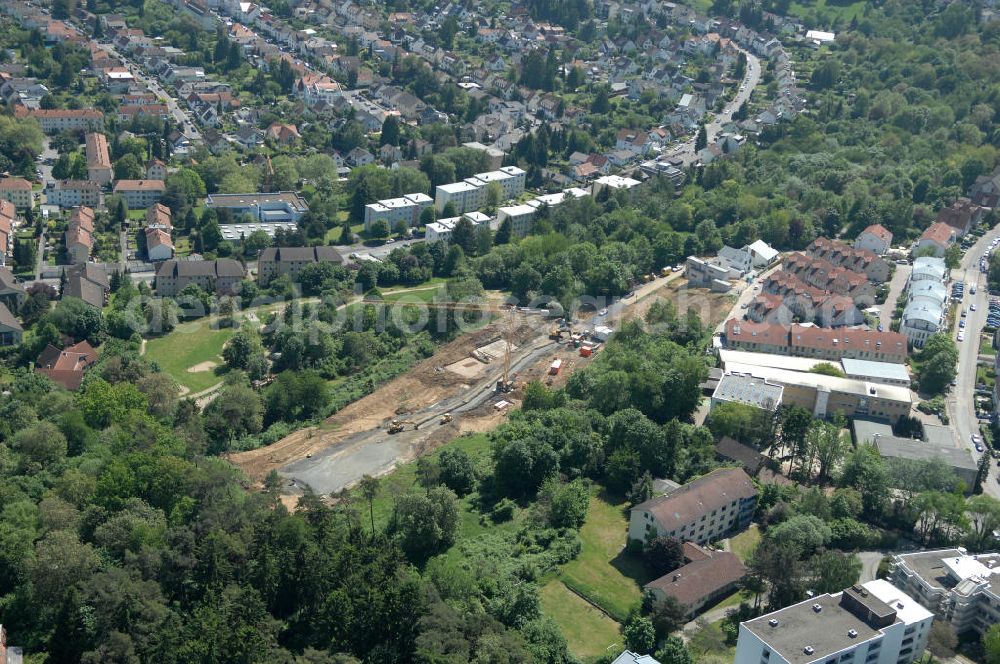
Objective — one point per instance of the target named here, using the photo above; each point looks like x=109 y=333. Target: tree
x=464 y=236
x=369 y=489
x=425 y=524
x=866 y=471
x=640 y=636
x=804 y=533
x=667 y=615
x=938 y=359
x=984 y=518
x=701 y=140
x=942 y=640
x=379 y=229
x=43 y=443
x=457 y=471
x=390 y=131
x=991 y=644
x=236 y=412
x=833 y=571
x=663 y=554
x=240 y=348
x=129 y=168
x=674 y=651
x=565 y=503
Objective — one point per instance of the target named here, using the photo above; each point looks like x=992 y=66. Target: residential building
x=156 y=170
x=8 y=224
x=282 y=134
x=67 y=366
x=12 y=293
x=277 y=261
x=519 y=216
x=703 y=510
x=494 y=156
x=470 y=194
x=816 y=342
x=405 y=209
x=73 y=193
x=612 y=183
x=986 y=189
x=140 y=193
x=959 y=588
x=629 y=657
x=874 y=623
x=762 y=254
x=221 y=276
x=88 y=282
x=159 y=216
x=935 y=240
x=11 y=331
x=99 y=168
x=927 y=303
x=270 y=207
x=159 y=244
x=824 y=275
x=962 y=215
x=707 y=577
x=876 y=239
x=18 y=192
x=53 y=121
x=747 y=389
x=79 y=236
x=843 y=255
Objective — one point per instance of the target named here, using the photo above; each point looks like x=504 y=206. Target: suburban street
x=751 y=78
x=180 y=116
x=960 y=401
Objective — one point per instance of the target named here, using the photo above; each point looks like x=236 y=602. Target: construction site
x=468 y=385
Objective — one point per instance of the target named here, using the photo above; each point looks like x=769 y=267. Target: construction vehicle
x=398 y=425
x=506 y=382
x=446 y=418
x=556 y=334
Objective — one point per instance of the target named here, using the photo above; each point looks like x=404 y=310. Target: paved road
x=40 y=256
x=896 y=286
x=961 y=406
x=180 y=116
x=869 y=565
x=751 y=78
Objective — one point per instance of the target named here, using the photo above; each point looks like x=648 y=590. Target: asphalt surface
x=751 y=78
x=960 y=402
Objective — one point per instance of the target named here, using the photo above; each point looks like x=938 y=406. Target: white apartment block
x=874 y=623
x=406 y=209
x=957 y=587
x=470 y=194
x=442 y=229
x=520 y=216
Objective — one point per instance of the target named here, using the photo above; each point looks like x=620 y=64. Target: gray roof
x=90 y=292
x=222 y=267
x=918 y=450
x=748 y=389
x=8 y=281
x=7 y=319
x=922 y=309
x=298 y=254
x=91 y=272
x=869 y=369
x=823 y=631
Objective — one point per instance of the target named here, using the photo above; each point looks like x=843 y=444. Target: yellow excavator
x=446 y=418
x=398 y=425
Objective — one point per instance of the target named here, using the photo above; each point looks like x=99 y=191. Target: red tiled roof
x=939 y=233
x=825 y=338
x=879 y=231
x=14 y=184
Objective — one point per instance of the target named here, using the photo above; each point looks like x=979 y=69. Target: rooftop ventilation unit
x=773 y=622
x=817 y=607
x=808 y=650
x=853 y=633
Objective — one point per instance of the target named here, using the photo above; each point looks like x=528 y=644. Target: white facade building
x=520 y=216
x=875 y=623
x=406 y=209
x=470 y=194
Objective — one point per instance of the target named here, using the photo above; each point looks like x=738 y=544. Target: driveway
x=896 y=286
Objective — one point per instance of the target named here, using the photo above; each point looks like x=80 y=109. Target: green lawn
x=845 y=10
x=743 y=545
x=986 y=345
x=604 y=572
x=588 y=632
x=188 y=345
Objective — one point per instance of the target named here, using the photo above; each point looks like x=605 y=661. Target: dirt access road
x=354 y=442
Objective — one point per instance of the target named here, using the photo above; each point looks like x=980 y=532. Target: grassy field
x=836 y=8
x=588 y=632
x=189 y=345
x=603 y=572
x=743 y=545
x=986 y=345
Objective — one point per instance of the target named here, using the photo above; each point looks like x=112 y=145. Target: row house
x=962 y=215
x=128 y=113
x=99 y=168
x=8 y=224
x=816 y=342
x=822 y=274
x=876 y=268
x=79 y=236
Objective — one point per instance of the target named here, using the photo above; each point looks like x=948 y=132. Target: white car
x=961 y=336
x=972 y=307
